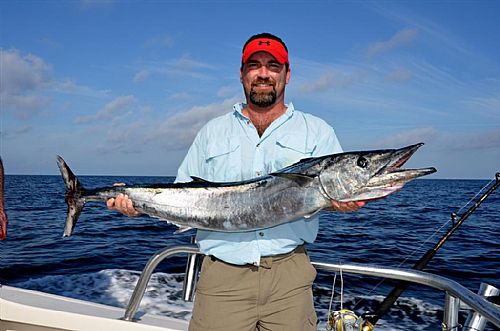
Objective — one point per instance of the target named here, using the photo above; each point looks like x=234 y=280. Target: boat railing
x=455 y=294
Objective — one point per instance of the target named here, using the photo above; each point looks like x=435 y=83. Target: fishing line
x=452 y=219
x=334 y=317
x=470 y=201
x=341 y=290
x=343 y=319
x=333 y=294
x=404 y=261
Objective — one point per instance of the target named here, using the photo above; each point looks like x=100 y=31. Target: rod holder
x=474 y=320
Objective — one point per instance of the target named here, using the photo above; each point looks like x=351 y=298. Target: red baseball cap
x=271 y=46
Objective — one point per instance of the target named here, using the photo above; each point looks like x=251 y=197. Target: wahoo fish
x=299 y=190
x=3 y=217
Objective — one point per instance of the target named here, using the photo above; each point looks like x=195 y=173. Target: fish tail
x=3 y=216
x=74 y=200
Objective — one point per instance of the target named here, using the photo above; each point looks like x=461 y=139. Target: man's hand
x=345 y=207
x=123 y=204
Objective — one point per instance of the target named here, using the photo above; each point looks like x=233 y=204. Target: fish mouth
x=397 y=159
x=392 y=177
x=400 y=157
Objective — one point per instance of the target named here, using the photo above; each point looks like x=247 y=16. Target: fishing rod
x=370 y=319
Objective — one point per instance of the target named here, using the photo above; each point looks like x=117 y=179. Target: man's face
x=264 y=80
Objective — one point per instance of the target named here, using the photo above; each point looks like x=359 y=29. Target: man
x=256 y=280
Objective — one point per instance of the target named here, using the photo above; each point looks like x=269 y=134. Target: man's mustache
x=263 y=81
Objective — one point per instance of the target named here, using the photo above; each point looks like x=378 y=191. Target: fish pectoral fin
x=312 y=214
x=182 y=229
x=299 y=179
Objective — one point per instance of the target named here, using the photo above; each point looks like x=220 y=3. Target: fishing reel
x=343 y=320
x=347 y=320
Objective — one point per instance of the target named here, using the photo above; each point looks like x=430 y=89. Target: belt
x=267 y=260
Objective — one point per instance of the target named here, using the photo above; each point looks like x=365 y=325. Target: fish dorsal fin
x=306 y=159
x=299 y=179
x=199 y=180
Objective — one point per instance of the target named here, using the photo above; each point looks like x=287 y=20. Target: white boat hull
x=27 y=310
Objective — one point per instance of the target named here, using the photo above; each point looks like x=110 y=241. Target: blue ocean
x=103 y=259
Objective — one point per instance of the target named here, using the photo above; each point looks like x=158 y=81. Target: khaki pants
x=275 y=296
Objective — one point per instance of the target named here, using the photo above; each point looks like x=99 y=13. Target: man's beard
x=262 y=99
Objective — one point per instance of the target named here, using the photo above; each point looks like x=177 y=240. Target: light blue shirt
x=228 y=148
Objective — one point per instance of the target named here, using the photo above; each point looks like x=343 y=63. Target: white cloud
x=160 y=41
x=179 y=130
x=110 y=110
x=186 y=63
x=323 y=83
x=141 y=76
x=433 y=32
x=402 y=37
x=174 y=133
x=145 y=109
x=228 y=91
x=22 y=73
x=48 y=42
x=24 y=129
x=22 y=78
x=69 y=86
x=442 y=140
x=321 y=77
x=24 y=106
x=182 y=96
x=399 y=75
x=408 y=137
x=487 y=105
x=184 y=66
x=473 y=141
x=15 y=133
x=125 y=139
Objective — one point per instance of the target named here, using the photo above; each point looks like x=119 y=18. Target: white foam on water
x=163 y=297
x=114 y=287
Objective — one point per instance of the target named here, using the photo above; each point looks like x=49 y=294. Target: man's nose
x=263 y=72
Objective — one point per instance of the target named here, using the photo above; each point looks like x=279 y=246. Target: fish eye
x=362 y=162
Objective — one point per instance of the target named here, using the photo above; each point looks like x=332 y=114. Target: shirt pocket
x=223 y=160
x=290 y=149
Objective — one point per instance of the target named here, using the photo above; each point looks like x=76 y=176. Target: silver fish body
x=299 y=190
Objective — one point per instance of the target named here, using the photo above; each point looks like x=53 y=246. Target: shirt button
x=261 y=234
x=257 y=173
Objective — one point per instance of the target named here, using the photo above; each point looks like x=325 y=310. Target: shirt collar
x=238 y=109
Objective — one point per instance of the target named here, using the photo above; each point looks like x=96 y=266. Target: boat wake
x=163 y=297
x=114 y=287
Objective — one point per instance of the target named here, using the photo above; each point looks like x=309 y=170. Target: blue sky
x=122 y=87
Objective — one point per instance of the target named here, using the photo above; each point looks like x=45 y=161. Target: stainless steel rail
x=143 y=281
x=454 y=291
x=451 y=288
